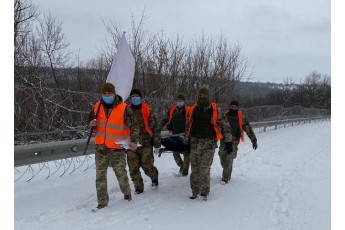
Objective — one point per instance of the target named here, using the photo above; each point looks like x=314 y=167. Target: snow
x=284 y=184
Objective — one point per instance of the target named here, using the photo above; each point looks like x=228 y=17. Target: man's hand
x=133 y=146
x=186 y=140
x=156 y=151
x=92 y=123
x=255 y=145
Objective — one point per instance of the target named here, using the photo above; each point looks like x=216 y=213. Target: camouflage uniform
x=201 y=158
x=115 y=158
x=177 y=126
x=226 y=160
x=143 y=156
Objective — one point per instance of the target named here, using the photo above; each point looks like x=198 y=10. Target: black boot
x=154 y=183
x=139 y=191
x=193 y=197
x=127 y=197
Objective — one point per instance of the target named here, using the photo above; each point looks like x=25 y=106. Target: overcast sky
x=280 y=38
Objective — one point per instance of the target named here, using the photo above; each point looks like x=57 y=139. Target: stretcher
x=173 y=143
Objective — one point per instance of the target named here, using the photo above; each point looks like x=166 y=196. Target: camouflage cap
x=205 y=91
x=108 y=87
x=135 y=91
x=181 y=96
x=234 y=102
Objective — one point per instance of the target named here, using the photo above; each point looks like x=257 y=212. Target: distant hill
x=257 y=89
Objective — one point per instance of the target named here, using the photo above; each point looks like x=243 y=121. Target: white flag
x=121 y=73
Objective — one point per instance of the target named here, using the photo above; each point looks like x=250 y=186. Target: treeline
x=164 y=66
x=54 y=88
x=313 y=92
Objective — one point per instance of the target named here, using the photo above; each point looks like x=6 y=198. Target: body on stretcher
x=174 y=143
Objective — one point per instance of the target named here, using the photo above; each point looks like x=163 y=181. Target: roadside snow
x=284 y=184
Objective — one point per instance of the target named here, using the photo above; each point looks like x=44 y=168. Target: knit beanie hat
x=205 y=91
x=108 y=87
x=180 y=96
x=234 y=102
x=135 y=91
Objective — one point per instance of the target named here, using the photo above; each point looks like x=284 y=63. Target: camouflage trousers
x=142 y=157
x=183 y=164
x=105 y=157
x=226 y=160
x=201 y=158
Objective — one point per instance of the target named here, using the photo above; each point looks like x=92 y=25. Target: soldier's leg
x=134 y=169
x=118 y=163
x=178 y=159
x=102 y=162
x=147 y=160
x=195 y=167
x=186 y=162
x=205 y=167
x=230 y=161
x=225 y=162
x=222 y=155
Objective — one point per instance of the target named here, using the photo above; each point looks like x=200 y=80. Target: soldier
x=148 y=134
x=228 y=150
x=115 y=123
x=204 y=130
x=176 y=123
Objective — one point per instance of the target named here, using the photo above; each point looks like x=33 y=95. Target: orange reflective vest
x=171 y=112
x=240 y=124
x=172 y=109
x=112 y=130
x=145 y=111
x=217 y=129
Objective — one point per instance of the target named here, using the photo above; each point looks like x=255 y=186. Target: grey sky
x=280 y=38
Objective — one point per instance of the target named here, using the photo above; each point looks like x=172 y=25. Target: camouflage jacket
x=144 y=138
x=245 y=126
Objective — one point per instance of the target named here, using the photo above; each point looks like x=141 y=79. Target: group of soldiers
x=130 y=134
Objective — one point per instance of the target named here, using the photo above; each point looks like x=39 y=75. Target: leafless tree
x=24 y=12
x=53 y=45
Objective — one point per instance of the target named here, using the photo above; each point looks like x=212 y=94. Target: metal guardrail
x=44 y=152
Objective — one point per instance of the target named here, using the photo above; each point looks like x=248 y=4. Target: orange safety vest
x=113 y=129
x=240 y=124
x=219 y=135
x=172 y=109
x=171 y=112
x=145 y=111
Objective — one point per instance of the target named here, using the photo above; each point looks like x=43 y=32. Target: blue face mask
x=180 y=104
x=136 y=100
x=108 y=100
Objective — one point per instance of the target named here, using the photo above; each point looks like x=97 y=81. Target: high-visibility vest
x=240 y=124
x=145 y=111
x=171 y=112
x=217 y=129
x=112 y=130
x=172 y=109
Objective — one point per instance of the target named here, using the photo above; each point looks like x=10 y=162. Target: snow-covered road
x=284 y=184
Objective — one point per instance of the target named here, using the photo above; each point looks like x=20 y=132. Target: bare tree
x=24 y=12
x=53 y=44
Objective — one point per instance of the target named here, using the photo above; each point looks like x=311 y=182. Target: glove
x=187 y=147
x=186 y=140
x=228 y=147
x=255 y=145
x=156 y=151
x=133 y=146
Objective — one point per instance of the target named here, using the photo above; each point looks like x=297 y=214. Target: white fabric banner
x=122 y=69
